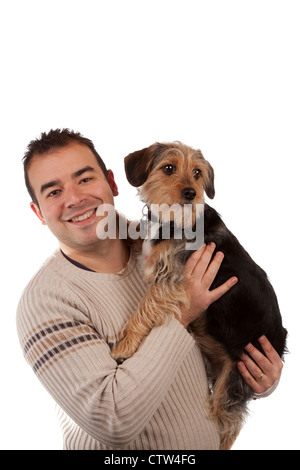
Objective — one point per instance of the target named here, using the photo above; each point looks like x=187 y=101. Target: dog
x=173 y=173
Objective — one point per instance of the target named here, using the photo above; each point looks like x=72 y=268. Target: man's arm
x=111 y=402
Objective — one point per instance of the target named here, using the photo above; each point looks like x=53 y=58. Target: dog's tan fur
x=168 y=291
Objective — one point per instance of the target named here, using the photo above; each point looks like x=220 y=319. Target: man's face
x=69 y=186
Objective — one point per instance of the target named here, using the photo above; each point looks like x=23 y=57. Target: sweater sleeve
x=111 y=402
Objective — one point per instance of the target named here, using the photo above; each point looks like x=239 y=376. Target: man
x=72 y=313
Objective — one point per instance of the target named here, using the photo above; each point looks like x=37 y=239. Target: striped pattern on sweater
x=68 y=320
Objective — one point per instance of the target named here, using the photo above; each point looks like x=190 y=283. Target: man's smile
x=84 y=218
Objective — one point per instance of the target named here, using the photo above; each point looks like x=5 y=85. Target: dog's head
x=170 y=173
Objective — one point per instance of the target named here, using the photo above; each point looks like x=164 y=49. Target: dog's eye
x=197 y=173
x=169 y=169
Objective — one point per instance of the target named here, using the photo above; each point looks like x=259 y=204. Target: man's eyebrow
x=74 y=175
x=82 y=170
x=49 y=185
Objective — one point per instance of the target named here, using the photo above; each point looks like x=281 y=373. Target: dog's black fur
x=249 y=309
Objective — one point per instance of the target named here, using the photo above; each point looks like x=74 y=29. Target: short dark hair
x=48 y=142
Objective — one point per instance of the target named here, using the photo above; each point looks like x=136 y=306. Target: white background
x=218 y=75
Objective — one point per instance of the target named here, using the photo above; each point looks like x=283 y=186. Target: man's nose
x=74 y=196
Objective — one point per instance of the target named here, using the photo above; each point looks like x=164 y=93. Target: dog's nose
x=188 y=193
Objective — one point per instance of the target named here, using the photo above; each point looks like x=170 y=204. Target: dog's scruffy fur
x=175 y=173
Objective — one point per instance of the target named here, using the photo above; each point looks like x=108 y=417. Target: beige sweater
x=68 y=319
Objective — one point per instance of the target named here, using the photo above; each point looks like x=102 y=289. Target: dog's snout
x=188 y=193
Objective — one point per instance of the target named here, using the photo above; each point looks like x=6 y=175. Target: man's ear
x=112 y=183
x=37 y=212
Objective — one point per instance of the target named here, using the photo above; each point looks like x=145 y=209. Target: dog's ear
x=209 y=181
x=139 y=164
x=208 y=178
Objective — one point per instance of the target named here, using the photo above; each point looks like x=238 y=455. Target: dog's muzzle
x=188 y=193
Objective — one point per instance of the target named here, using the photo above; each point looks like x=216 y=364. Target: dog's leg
x=227 y=402
x=227 y=411
x=159 y=301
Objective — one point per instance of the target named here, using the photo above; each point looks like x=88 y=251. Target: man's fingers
x=270 y=352
x=249 y=378
x=216 y=293
x=270 y=365
x=260 y=372
x=200 y=266
x=198 y=262
x=193 y=260
x=203 y=263
x=212 y=270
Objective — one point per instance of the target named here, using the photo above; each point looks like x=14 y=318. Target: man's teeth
x=83 y=217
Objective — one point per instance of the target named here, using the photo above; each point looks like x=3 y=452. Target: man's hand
x=261 y=373
x=200 y=276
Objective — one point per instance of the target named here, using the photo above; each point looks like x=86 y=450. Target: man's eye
x=54 y=193
x=168 y=169
x=85 y=180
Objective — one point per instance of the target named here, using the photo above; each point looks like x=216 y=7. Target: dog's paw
x=118 y=356
x=125 y=348
x=119 y=352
